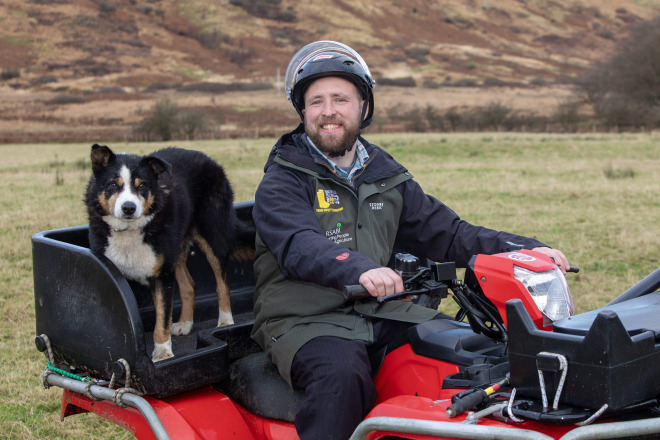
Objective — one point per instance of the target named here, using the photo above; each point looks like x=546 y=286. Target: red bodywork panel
x=500 y=285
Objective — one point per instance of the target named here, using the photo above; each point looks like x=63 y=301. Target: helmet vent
x=348 y=63
x=300 y=71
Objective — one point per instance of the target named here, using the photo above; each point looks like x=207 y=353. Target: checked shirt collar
x=361 y=156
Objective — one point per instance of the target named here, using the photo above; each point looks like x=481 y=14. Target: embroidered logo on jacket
x=342 y=256
x=376 y=206
x=327 y=198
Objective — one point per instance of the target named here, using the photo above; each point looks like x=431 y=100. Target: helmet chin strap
x=343 y=152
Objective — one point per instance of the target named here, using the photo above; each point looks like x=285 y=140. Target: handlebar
x=358 y=291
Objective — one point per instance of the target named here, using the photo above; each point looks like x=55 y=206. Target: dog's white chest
x=132 y=256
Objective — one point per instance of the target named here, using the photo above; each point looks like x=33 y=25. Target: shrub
x=418 y=54
x=433 y=118
x=209 y=87
x=241 y=55
x=46 y=79
x=537 y=82
x=625 y=90
x=465 y=82
x=493 y=115
x=567 y=114
x=397 y=82
x=453 y=118
x=162 y=120
x=192 y=121
x=65 y=98
x=8 y=74
x=269 y=9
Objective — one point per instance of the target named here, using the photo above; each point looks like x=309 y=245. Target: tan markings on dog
x=104 y=203
x=120 y=181
x=158 y=266
x=137 y=182
x=186 y=288
x=243 y=253
x=224 y=302
x=147 y=203
x=163 y=323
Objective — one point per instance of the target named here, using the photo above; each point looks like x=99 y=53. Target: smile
x=330 y=127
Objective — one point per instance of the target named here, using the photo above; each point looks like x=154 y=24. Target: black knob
x=40 y=343
x=406 y=265
x=118 y=370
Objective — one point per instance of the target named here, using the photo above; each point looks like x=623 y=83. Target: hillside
x=117 y=56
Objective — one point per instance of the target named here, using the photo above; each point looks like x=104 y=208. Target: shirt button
x=359 y=225
x=382 y=184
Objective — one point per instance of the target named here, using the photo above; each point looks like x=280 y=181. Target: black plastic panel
x=606 y=366
x=94 y=316
x=454 y=342
x=637 y=316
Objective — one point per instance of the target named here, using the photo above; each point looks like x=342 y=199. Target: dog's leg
x=187 y=292
x=163 y=304
x=224 y=302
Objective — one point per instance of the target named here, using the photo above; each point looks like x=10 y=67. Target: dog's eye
x=142 y=186
x=112 y=185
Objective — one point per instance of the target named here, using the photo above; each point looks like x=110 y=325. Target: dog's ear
x=157 y=165
x=101 y=157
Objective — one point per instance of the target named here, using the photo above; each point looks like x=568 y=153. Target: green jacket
x=318 y=232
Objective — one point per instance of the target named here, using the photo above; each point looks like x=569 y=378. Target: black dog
x=145 y=213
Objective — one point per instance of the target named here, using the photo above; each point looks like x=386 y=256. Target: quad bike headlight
x=549 y=291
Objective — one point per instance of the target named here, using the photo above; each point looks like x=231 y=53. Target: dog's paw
x=225 y=318
x=181 y=328
x=162 y=351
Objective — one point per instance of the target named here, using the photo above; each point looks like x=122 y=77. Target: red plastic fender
x=405 y=373
x=495 y=276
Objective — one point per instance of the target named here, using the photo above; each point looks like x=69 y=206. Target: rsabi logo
x=343 y=256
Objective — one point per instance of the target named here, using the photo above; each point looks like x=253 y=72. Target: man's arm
x=430 y=228
x=284 y=216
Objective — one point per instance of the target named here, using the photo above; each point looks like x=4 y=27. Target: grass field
x=597 y=198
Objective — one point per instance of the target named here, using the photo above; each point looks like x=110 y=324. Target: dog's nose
x=128 y=208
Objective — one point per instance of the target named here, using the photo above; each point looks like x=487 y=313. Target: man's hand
x=557 y=255
x=381 y=282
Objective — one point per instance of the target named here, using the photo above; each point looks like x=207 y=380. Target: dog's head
x=125 y=186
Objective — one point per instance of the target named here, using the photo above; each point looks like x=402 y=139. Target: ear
x=157 y=165
x=101 y=156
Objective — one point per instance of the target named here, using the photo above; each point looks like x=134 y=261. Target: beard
x=329 y=144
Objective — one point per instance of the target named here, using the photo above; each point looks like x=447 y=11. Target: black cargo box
x=607 y=363
x=94 y=316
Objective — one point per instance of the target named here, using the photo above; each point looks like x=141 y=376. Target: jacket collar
x=292 y=148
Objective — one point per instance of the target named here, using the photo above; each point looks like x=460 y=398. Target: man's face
x=333 y=111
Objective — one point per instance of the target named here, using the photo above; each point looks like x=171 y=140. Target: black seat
x=256 y=385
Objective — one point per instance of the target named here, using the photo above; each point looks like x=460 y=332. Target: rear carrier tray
x=93 y=316
x=611 y=358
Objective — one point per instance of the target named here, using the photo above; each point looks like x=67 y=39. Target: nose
x=328 y=108
x=128 y=208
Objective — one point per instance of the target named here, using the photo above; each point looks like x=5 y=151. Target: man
x=328 y=212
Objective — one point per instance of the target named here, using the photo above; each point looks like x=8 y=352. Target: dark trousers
x=336 y=376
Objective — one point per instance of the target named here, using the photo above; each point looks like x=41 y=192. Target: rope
x=127 y=369
x=116 y=397
x=89 y=394
x=112 y=382
x=49 y=351
x=44 y=378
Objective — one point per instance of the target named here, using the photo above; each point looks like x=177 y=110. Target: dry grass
x=549 y=187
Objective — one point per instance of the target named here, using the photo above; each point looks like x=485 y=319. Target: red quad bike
x=523 y=366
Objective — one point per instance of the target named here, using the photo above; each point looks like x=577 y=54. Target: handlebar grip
x=355 y=292
x=467 y=402
x=573 y=269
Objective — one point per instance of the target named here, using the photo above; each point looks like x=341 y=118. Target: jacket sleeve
x=284 y=216
x=428 y=227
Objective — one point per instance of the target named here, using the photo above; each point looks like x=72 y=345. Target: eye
x=112 y=185
x=142 y=185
